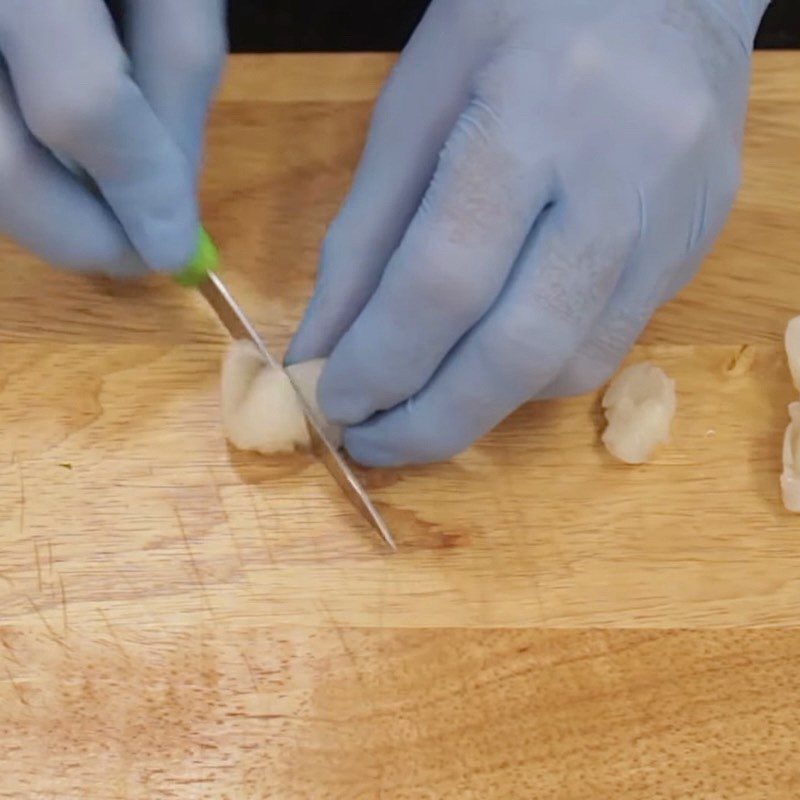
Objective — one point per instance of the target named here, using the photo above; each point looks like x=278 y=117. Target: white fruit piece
x=306 y=377
x=790 y=478
x=792 y=343
x=639 y=405
x=260 y=409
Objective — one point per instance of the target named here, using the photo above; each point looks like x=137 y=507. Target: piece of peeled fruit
x=260 y=408
x=790 y=478
x=306 y=377
x=792 y=344
x=639 y=406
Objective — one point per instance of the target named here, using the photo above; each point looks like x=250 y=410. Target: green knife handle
x=204 y=261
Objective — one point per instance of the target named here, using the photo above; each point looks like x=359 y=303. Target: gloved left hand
x=101 y=139
x=538 y=178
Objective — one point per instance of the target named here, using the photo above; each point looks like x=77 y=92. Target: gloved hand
x=81 y=114
x=538 y=178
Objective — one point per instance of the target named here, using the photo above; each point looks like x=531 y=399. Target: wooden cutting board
x=178 y=620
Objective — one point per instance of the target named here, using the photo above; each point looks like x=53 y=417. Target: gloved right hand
x=539 y=177
x=100 y=144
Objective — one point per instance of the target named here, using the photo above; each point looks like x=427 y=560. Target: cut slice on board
x=639 y=406
x=790 y=478
x=260 y=407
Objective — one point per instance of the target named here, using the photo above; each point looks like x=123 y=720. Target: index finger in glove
x=177 y=50
x=448 y=270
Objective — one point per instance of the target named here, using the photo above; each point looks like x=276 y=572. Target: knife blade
x=201 y=274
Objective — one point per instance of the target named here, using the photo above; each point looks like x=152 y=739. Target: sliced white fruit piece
x=260 y=409
x=639 y=405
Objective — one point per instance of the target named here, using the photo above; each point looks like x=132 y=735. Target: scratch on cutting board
x=17 y=688
x=8 y=649
x=193 y=563
x=22 y=498
x=337 y=627
x=51 y=631
x=260 y=523
x=239 y=557
x=249 y=666
x=38 y=565
x=114 y=636
x=65 y=620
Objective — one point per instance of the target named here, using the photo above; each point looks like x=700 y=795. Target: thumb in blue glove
x=538 y=178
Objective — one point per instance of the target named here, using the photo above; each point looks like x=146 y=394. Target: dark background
x=280 y=25
x=301 y=25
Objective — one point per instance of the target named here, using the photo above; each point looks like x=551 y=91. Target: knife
x=201 y=273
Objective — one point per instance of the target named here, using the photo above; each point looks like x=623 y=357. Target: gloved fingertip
x=160 y=217
x=167 y=244
x=341 y=399
x=370 y=449
x=128 y=268
x=299 y=350
x=310 y=340
x=405 y=436
x=102 y=250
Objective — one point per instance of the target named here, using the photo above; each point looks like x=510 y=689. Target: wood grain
x=410 y=715
x=178 y=620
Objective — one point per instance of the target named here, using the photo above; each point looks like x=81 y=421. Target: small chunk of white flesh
x=639 y=405
x=260 y=408
x=790 y=478
x=792 y=344
x=306 y=377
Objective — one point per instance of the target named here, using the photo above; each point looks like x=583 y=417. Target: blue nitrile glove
x=126 y=118
x=538 y=178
